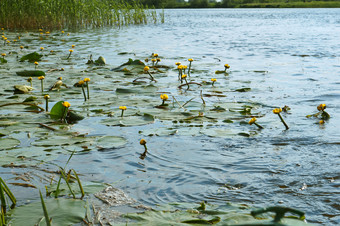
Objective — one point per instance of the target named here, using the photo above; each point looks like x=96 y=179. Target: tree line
x=237 y=3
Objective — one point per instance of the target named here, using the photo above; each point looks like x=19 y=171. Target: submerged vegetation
x=50 y=14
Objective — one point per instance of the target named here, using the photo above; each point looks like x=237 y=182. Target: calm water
x=287 y=57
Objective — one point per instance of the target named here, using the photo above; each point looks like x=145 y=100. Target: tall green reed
x=73 y=14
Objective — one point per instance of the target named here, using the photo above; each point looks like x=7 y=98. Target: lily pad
x=22 y=89
x=31 y=57
x=111 y=142
x=8 y=143
x=31 y=73
x=62 y=211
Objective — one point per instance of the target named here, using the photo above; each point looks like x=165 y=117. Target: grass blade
x=79 y=183
x=47 y=219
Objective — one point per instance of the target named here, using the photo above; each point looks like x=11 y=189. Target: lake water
x=286 y=56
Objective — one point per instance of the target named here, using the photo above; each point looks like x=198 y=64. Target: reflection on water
x=287 y=57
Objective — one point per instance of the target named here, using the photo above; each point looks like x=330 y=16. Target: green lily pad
x=243 y=90
x=31 y=73
x=88 y=187
x=3 y=61
x=8 y=143
x=136 y=120
x=58 y=111
x=62 y=211
x=31 y=57
x=111 y=142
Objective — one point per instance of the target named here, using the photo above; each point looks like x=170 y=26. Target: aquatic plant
x=3 y=60
x=30 y=79
x=69 y=55
x=190 y=61
x=81 y=83
x=213 y=81
x=226 y=66
x=36 y=64
x=277 y=111
x=123 y=108
x=47 y=218
x=253 y=121
x=322 y=113
x=143 y=155
x=66 y=107
x=41 y=78
x=163 y=97
x=50 y=14
x=86 y=80
x=46 y=97
x=4 y=190
x=146 y=69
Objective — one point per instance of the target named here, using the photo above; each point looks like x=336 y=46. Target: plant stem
x=284 y=123
x=122 y=113
x=46 y=105
x=42 y=85
x=88 y=90
x=259 y=126
x=189 y=69
x=82 y=87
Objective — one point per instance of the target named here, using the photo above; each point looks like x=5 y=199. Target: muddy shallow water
x=285 y=56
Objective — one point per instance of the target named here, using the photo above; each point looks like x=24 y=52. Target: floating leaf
x=31 y=57
x=111 y=142
x=62 y=211
x=8 y=143
x=31 y=73
x=243 y=90
x=22 y=89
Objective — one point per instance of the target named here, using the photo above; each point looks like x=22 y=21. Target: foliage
x=50 y=14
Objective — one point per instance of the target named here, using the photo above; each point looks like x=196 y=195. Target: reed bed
x=62 y=14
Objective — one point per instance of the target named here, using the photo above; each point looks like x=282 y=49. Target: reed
x=73 y=14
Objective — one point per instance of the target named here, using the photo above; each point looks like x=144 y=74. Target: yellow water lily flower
x=178 y=63
x=66 y=104
x=277 y=110
x=146 y=68
x=142 y=142
x=81 y=82
x=87 y=79
x=3 y=54
x=36 y=63
x=71 y=50
x=184 y=76
x=227 y=66
x=321 y=107
x=164 y=97
x=252 y=121
x=41 y=77
x=190 y=60
x=123 y=108
x=21 y=47
x=47 y=97
x=73 y=46
x=213 y=79
x=42 y=48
